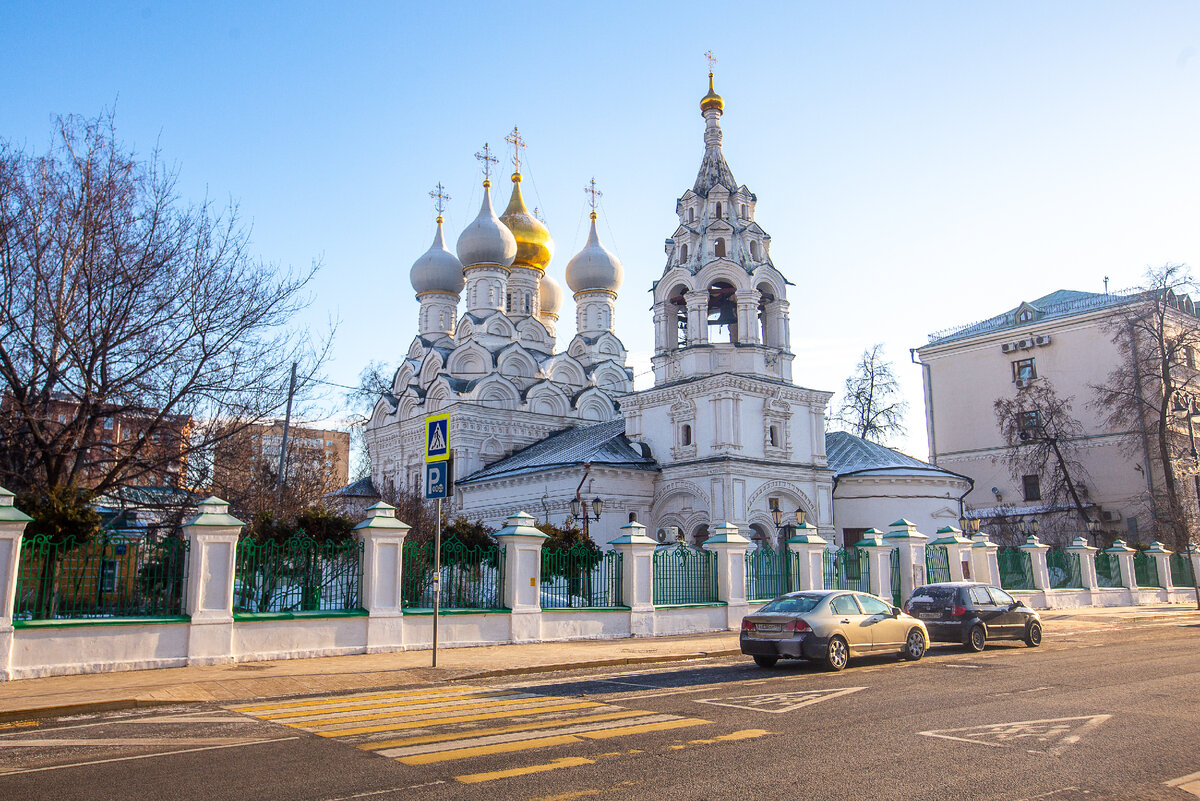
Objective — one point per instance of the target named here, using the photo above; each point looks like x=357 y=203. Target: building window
x=691 y=215
x=1024 y=316
x=1032 y=487
x=108 y=423
x=743 y=209
x=773 y=435
x=682 y=254
x=508 y=302
x=1029 y=423
x=633 y=517
x=1189 y=355
x=720 y=248
x=1024 y=370
x=718 y=211
x=528 y=303
x=754 y=250
x=685 y=434
x=108 y=576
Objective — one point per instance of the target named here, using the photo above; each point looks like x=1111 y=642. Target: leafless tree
x=1155 y=391
x=118 y=300
x=871 y=404
x=1041 y=437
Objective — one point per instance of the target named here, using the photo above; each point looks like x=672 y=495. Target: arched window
x=508 y=302
x=743 y=209
x=754 y=250
x=682 y=254
x=718 y=211
x=774 y=436
x=719 y=250
x=633 y=517
x=685 y=435
x=691 y=215
x=528 y=304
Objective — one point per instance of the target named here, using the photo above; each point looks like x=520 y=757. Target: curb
x=631 y=660
x=83 y=708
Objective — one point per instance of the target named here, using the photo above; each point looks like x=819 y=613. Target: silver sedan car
x=830 y=626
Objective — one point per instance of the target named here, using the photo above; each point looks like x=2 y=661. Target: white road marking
x=1188 y=784
x=1055 y=792
x=190 y=717
x=63 y=742
x=777 y=703
x=384 y=792
x=1058 y=733
x=143 y=756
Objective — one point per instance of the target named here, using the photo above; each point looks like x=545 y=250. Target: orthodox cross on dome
x=487 y=160
x=711 y=60
x=537 y=213
x=439 y=199
x=518 y=144
x=594 y=195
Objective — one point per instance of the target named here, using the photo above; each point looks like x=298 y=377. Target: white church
x=723 y=435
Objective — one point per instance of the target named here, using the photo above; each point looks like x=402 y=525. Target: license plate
x=768 y=627
x=929 y=615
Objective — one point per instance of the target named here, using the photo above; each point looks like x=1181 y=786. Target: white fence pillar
x=1037 y=560
x=637 y=576
x=1162 y=560
x=1087 y=562
x=12 y=528
x=904 y=535
x=958 y=552
x=382 y=537
x=808 y=546
x=879 y=560
x=984 y=563
x=730 y=547
x=212 y=552
x=522 y=544
x=1124 y=556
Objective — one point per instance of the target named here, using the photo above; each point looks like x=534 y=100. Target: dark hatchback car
x=971 y=614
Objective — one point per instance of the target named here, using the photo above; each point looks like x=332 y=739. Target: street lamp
x=968 y=525
x=777 y=518
x=579 y=511
x=1093 y=527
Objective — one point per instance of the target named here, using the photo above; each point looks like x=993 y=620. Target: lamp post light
x=1093 y=527
x=968 y=525
x=579 y=511
x=777 y=518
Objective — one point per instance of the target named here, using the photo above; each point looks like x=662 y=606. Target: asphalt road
x=1099 y=714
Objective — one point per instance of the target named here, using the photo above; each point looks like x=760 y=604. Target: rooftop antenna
x=487 y=160
x=518 y=144
x=439 y=199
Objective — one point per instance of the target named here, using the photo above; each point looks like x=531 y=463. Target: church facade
x=723 y=435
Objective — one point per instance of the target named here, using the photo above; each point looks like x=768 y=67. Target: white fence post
x=637 y=576
x=1124 y=556
x=382 y=537
x=904 y=535
x=522 y=543
x=984 y=563
x=958 y=552
x=1087 y=562
x=879 y=558
x=212 y=552
x=12 y=528
x=1037 y=560
x=1162 y=559
x=808 y=545
x=730 y=547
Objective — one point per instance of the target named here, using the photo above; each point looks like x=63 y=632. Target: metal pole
x=437 y=578
x=287 y=421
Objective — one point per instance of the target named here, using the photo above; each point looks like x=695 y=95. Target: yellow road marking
x=744 y=734
x=360 y=707
x=483 y=750
x=351 y=698
x=565 y=762
x=18 y=724
x=545 y=742
x=457 y=735
x=418 y=724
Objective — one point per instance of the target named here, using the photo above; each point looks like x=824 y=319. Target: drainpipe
x=927 y=383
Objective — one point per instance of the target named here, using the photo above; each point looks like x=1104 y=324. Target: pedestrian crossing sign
x=437 y=438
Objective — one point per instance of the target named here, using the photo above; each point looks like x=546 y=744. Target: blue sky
x=919 y=165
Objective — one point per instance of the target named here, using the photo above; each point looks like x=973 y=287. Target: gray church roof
x=851 y=455
x=602 y=443
x=1060 y=303
x=713 y=171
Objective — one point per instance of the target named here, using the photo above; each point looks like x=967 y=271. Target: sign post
x=438 y=465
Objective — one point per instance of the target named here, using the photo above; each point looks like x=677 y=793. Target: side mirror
x=1015 y=605
x=895 y=611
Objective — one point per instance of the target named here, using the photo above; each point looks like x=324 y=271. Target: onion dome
x=712 y=99
x=486 y=240
x=550 y=294
x=535 y=248
x=594 y=267
x=438 y=270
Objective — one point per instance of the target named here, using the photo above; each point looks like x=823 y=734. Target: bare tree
x=120 y=301
x=1042 y=439
x=1155 y=391
x=871 y=404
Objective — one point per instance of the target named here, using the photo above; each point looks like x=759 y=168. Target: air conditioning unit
x=1043 y=339
x=1023 y=382
x=1109 y=516
x=1008 y=347
x=1025 y=344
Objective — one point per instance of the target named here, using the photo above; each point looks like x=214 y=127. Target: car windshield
x=793 y=603
x=933 y=595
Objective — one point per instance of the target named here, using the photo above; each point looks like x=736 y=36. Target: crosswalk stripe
x=379 y=745
x=464 y=701
x=562 y=762
x=545 y=742
x=367 y=697
x=424 y=721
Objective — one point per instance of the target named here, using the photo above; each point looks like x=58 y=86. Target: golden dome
x=534 y=245
x=712 y=99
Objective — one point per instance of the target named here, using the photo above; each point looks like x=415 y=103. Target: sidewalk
x=95 y=692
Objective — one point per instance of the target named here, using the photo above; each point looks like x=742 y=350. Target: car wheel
x=976 y=638
x=837 y=654
x=766 y=661
x=914 y=646
x=1033 y=634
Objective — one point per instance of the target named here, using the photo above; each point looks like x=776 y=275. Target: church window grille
x=528 y=304
x=685 y=435
x=719 y=250
x=774 y=436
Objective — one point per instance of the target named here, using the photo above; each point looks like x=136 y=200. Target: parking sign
x=437 y=438
x=437 y=480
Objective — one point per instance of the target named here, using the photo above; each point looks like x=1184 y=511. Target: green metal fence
x=472 y=576
x=104 y=577
x=298 y=574
x=768 y=573
x=1145 y=570
x=895 y=568
x=1016 y=569
x=1108 y=570
x=846 y=569
x=937 y=563
x=1182 y=574
x=684 y=575
x=580 y=577
x=1065 y=570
